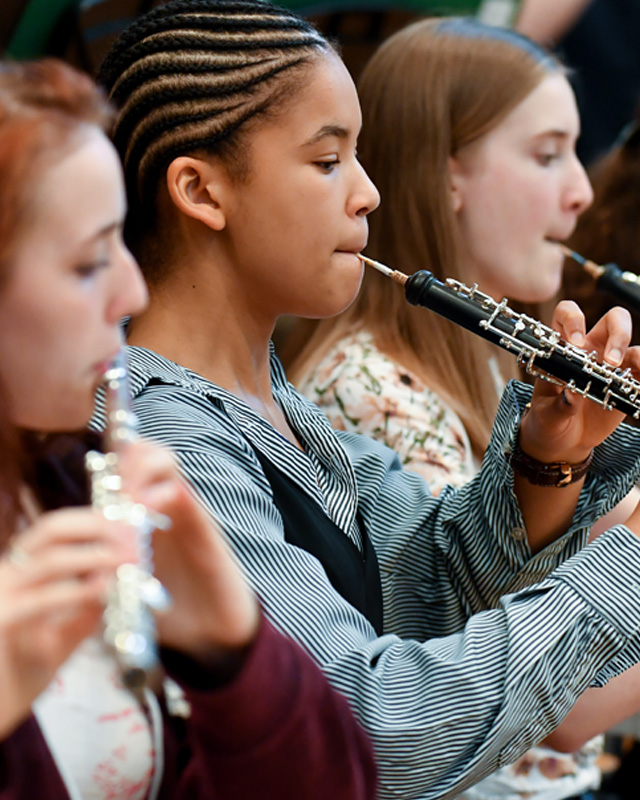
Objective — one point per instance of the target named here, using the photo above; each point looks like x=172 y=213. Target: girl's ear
x=198 y=189
x=456 y=183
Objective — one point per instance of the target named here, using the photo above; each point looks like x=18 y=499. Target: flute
x=538 y=348
x=129 y=626
x=625 y=286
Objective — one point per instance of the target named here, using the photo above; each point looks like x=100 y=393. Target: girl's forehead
x=551 y=104
x=325 y=103
x=549 y=110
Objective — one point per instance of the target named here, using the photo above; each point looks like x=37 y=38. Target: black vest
x=354 y=574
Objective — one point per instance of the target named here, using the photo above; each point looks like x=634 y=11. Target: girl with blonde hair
x=472 y=189
x=469 y=132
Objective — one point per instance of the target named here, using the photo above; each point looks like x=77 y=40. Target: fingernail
x=577 y=338
x=614 y=356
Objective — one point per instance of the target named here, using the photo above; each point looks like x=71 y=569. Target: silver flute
x=538 y=348
x=129 y=626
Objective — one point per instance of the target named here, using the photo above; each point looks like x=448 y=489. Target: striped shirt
x=470 y=671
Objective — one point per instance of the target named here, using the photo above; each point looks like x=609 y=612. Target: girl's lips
x=354 y=247
x=102 y=366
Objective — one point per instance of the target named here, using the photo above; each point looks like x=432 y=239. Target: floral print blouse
x=362 y=390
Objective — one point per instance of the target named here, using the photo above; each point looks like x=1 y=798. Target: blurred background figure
x=598 y=40
x=609 y=231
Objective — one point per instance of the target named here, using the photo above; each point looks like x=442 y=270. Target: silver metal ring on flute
x=18 y=556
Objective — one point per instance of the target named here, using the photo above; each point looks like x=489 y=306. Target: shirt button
x=518 y=534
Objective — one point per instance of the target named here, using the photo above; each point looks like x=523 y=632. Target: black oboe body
x=539 y=349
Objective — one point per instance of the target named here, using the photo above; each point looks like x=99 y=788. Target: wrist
x=552 y=474
x=535 y=440
x=207 y=667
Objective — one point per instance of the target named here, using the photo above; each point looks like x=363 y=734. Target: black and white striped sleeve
x=443 y=711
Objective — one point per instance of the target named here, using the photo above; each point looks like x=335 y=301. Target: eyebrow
x=339 y=131
x=554 y=134
x=112 y=226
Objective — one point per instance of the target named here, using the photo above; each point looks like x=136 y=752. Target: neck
x=202 y=317
x=204 y=324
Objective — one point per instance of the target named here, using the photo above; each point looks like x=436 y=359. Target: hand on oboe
x=562 y=426
x=53 y=580
x=213 y=610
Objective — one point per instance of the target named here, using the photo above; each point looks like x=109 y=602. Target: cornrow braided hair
x=187 y=75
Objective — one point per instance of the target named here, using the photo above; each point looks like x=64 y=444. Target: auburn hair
x=43 y=105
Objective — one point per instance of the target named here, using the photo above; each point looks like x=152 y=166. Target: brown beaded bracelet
x=541 y=473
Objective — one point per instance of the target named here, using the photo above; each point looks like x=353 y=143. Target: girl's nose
x=130 y=290
x=579 y=195
x=366 y=198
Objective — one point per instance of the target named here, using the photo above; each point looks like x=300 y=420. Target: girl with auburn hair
x=237 y=127
x=469 y=132
x=247 y=713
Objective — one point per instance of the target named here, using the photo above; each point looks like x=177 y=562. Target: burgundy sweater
x=275 y=731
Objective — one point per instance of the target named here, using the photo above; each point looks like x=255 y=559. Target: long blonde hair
x=430 y=89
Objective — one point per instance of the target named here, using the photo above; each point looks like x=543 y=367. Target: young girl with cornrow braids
x=237 y=128
x=250 y=714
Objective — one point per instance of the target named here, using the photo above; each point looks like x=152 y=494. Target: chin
x=350 y=266
x=535 y=294
x=338 y=297
x=343 y=303
x=328 y=311
x=549 y=288
x=544 y=287
x=77 y=418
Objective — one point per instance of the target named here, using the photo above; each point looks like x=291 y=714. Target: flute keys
x=155 y=595
x=130 y=643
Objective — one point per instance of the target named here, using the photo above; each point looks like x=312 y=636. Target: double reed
x=609 y=278
x=129 y=627
x=538 y=348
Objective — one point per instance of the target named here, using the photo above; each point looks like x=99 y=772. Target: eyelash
x=327 y=166
x=545 y=159
x=88 y=270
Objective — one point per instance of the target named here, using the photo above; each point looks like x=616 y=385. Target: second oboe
x=539 y=349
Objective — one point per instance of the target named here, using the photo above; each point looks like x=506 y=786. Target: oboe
x=129 y=627
x=624 y=286
x=539 y=349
